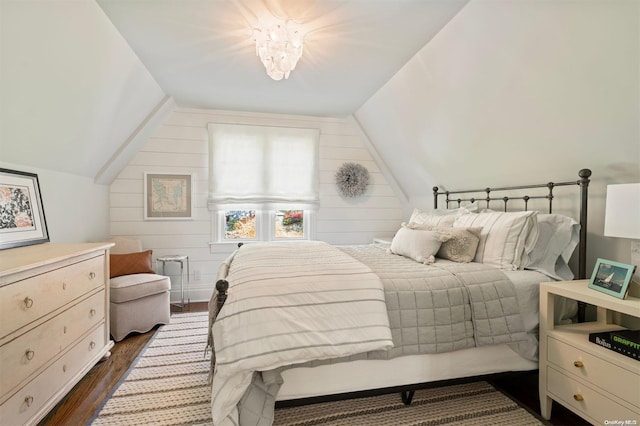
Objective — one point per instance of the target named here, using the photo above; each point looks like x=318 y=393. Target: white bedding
x=527 y=285
x=315 y=326
x=353 y=376
x=272 y=318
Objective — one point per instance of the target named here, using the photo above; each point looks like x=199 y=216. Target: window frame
x=265 y=216
x=222 y=225
x=265 y=205
x=306 y=224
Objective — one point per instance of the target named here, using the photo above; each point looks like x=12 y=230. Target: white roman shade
x=258 y=164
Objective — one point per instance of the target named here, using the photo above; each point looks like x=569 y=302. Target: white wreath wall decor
x=352 y=179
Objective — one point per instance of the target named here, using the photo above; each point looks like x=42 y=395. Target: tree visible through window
x=240 y=224
x=289 y=224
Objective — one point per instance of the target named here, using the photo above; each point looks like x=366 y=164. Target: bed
x=454 y=295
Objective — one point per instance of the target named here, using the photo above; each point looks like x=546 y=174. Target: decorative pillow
x=505 y=237
x=130 y=263
x=419 y=245
x=461 y=247
x=440 y=217
x=558 y=237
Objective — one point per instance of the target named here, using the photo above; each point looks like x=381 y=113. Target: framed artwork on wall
x=22 y=220
x=168 y=196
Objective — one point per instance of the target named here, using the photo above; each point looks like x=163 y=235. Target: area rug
x=167 y=385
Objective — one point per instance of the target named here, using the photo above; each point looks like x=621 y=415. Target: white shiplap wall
x=180 y=145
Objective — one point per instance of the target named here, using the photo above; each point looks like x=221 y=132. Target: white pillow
x=440 y=217
x=417 y=244
x=506 y=237
x=558 y=237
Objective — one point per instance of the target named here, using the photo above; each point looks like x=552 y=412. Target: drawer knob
x=28 y=400
x=29 y=354
x=578 y=397
x=92 y=312
x=28 y=302
x=92 y=345
x=92 y=275
x=578 y=364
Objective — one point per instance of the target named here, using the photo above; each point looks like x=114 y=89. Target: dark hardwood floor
x=78 y=407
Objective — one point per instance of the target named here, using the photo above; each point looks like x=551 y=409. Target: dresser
x=598 y=384
x=54 y=324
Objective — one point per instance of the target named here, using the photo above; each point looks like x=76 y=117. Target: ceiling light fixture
x=279 y=48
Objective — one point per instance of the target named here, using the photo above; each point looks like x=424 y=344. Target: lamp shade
x=622 y=214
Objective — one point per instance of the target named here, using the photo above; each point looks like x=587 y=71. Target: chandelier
x=279 y=48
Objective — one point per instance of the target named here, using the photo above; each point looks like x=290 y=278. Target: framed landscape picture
x=611 y=277
x=168 y=196
x=22 y=220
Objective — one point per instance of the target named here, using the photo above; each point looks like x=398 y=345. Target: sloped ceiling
x=515 y=92
x=202 y=53
x=72 y=91
x=79 y=77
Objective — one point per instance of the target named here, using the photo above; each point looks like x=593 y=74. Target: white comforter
x=337 y=310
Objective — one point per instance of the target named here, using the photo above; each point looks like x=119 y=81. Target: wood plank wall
x=180 y=145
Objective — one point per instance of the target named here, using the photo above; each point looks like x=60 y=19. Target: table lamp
x=622 y=217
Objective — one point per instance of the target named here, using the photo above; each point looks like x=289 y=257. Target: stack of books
x=626 y=342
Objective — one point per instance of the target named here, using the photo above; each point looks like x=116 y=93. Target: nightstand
x=596 y=383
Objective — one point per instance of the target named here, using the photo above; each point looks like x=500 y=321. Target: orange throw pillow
x=130 y=263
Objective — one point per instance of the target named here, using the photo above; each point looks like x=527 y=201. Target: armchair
x=139 y=298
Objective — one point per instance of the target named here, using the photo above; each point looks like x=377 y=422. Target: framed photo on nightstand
x=611 y=277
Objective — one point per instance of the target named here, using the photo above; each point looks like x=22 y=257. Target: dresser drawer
x=598 y=371
x=23 y=356
x=593 y=405
x=26 y=405
x=25 y=301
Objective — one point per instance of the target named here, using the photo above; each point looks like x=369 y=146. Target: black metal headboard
x=583 y=183
x=488 y=196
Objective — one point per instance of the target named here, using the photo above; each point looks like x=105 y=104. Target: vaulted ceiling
x=202 y=53
x=78 y=78
x=518 y=86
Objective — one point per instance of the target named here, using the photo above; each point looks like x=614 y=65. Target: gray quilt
x=445 y=306
x=435 y=308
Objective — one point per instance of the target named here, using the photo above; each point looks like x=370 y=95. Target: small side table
x=181 y=259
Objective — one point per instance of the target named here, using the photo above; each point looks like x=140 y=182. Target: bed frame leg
x=407 y=396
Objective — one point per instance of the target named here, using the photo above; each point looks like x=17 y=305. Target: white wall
x=518 y=92
x=76 y=209
x=181 y=145
x=72 y=89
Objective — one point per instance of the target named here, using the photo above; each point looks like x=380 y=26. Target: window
x=250 y=224
x=240 y=224
x=289 y=224
x=262 y=182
